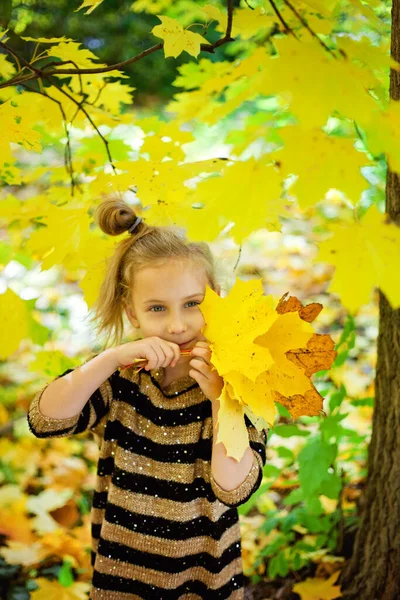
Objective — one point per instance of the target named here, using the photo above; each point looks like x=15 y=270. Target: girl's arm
x=234 y=482
x=76 y=400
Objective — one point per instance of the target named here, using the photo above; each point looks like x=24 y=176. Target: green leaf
x=65 y=576
x=283 y=412
x=289 y=431
x=243 y=509
x=337 y=398
x=330 y=426
x=314 y=461
x=283 y=452
x=294 y=497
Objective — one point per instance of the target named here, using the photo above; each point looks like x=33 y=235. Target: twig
x=238 y=258
x=45 y=73
x=68 y=151
x=282 y=20
x=39 y=72
x=79 y=104
x=306 y=25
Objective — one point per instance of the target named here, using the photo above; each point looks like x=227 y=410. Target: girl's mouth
x=185 y=344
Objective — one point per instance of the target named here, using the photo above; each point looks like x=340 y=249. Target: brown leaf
x=292 y=304
x=310 y=404
x=318 y=355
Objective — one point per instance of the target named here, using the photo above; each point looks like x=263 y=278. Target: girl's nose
x=177 y=326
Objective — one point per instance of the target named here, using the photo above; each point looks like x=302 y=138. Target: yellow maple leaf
x=95 y=251
x=372 y=262
x=14 y=322
x=322 y=6
x=66 y=231
x=231 y=428
x=325 y=162
x=383 y=133
x=18 y=553
x=14 y=523
x=53 y=590
x=90 y=5
x=233 y=323
x=246 y=23
x=318 y=589
x=176 y=39
x=7 y=69
x=16 y=127
x=68 y=51
x=44 y=40
x=239 y=328
x=103 y=92
x=253 y=201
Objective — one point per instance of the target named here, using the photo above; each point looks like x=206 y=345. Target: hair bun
x=114 y=216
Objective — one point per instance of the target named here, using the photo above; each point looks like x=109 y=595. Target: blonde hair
x=147 y=245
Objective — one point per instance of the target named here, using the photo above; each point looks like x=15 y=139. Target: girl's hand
x=204 y=373
x=157 y=351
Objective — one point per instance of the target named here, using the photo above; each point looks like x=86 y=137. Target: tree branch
x=118 y=66
x=68 y=151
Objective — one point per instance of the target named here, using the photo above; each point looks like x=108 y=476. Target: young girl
x=164 y=515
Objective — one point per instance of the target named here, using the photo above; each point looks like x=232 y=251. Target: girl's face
x=165 y=302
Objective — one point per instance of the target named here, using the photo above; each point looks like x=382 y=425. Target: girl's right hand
x=158 y=352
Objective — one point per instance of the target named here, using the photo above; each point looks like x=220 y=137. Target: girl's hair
x=147 y=245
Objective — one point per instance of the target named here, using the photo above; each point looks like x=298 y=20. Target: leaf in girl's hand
x=232 y=324
x=266 y=352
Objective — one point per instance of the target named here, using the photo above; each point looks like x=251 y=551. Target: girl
x=164 y=514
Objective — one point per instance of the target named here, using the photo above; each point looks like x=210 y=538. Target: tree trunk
x=373 y=572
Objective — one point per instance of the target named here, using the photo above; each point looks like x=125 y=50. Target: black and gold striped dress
x=162 y=528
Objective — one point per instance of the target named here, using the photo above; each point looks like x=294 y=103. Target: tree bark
x=373 y=571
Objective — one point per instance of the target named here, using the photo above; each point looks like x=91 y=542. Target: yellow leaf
x=44 y=40
x=66 y=231
x=232 y=430
x=176 y=39
x=233 y=323
x=325 y=162
x=7 y=69
x=322 y=6
x=249 y=23
x=18 y=553
x=253 y=201
x=318 y=589
x=53 y=590
x=103 y=92
x=90 y=4
x=16 y=127
x=372 y=262
x=14 y=323
x=264 y=355
x=383 y=133
x=95 y=252
x=70 y=51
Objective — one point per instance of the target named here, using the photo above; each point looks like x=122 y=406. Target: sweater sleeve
x=240 y=495
x=97 y=406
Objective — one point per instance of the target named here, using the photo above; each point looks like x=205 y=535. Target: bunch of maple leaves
x=265 y=355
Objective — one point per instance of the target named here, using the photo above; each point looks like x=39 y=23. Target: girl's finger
x=169 y=354
x=201 y=352
x=197 y=375
x=201 y=366
x=176 y=350
x=160 y=357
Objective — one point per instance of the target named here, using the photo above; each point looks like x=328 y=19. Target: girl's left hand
x=204 y=373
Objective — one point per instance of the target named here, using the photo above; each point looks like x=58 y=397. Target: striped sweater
x=162 y=527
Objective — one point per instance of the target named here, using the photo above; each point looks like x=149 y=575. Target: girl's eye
x=159 y=306
x=151 y=308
